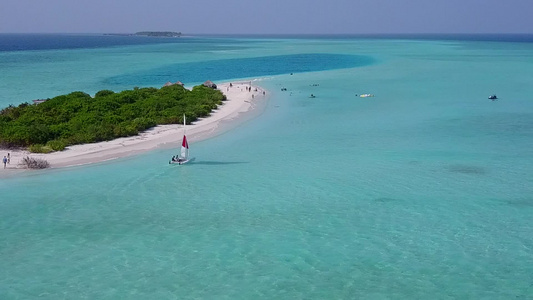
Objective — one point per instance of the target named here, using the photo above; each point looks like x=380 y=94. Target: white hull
x=366 y=95
x=181 y=162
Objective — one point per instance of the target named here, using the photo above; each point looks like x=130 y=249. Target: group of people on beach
x=6 y=160
x=248 y=89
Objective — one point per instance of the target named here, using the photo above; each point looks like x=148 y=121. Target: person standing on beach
x=4 y=161
x=8 y=158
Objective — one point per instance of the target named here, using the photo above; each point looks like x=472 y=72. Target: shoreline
x=239 y=101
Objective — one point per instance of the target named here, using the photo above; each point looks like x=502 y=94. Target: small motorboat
x=366 y=95
x=493 y=97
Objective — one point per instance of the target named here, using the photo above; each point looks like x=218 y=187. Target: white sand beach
x=239 y=100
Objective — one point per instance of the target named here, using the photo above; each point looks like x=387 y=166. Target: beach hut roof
x=179 y=83
x=168 y=83
x=210 y=84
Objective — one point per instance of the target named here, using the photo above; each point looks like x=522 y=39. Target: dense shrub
x=34 y=163
x=57 y=145
x=78 y=118
x=39 y=148
x=103 y=93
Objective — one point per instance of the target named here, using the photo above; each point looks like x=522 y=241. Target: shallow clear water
x=424 y=190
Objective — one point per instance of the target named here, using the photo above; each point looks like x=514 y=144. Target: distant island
x=150 y=33
x=159 y=33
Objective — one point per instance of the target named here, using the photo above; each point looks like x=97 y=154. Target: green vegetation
x=78 y=118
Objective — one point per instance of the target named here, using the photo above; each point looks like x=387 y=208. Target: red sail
x=184 y=143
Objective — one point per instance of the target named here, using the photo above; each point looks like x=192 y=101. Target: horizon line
x=293 y=34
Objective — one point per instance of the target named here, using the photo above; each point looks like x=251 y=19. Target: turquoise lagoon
x=424 y=191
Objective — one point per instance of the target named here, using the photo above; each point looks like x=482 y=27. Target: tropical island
x=78 y=118
x=240 y=98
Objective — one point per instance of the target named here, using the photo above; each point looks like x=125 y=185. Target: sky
x=267 y=16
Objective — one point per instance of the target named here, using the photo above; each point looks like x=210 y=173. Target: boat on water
x=366 y=95
x=493 y=97
x=183 y=157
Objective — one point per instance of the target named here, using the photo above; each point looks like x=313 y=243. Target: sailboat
x=183 y=157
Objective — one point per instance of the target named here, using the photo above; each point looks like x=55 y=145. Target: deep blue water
x=242 y=68
x=22 y=42
x=509 y=37
x=35 y=41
